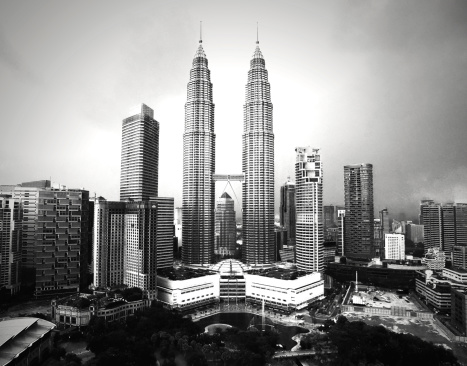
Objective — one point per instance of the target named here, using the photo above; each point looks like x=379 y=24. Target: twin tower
x=199 y=146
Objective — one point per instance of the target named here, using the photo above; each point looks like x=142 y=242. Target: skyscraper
x=226 y=228
x=10 y=243
x=131 y=241
x=258 y=166
x=140 y=156
x=309 y=208
x=359 y=210
x=198 y=165
x=287 y=211
x=431 y=217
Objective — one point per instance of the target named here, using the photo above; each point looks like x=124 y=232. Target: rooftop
x=182 y=273
x=279 y=273
x=18 y=333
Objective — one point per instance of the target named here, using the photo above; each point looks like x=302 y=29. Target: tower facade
x=287 y=211
x=258 y=166
x=198 y=166
x=226 y=228
x=359 y=211
x=431 y=216
x=140 y=156
x=309 y=207
x=10 y=243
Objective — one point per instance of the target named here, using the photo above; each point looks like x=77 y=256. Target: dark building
x=359 y=211
x=287 y=211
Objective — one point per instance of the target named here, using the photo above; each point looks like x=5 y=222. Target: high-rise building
x=330 y=216
x=131 y=240
x=459 y=257
x=198 y=165
x=258 y=166
x=225 y=226
x=140 y=156
x=10 y=243
x=449 y=227
x=431 y=217
x=461 y=224
x=309 y=208
x=341 y=232
x=415 y=233
x=359 y=210
x=394 y=246
x=381 y=228
x=61 y=236
x=178 y=224
x=109 y=242
x=287 y=211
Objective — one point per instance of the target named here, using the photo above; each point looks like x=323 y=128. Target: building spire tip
x=201 y=31
x=257 y=37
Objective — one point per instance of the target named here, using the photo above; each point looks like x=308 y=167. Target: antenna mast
x=257 y=37
x=201 y=31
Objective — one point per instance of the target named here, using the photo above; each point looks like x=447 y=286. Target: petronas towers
x=199 y=143
x=199 y=166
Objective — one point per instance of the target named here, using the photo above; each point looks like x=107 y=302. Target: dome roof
x=229 y=266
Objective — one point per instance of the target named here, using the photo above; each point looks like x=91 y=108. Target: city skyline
x=393 y=70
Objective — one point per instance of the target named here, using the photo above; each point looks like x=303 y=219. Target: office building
x=140 y=156
x=383 y=229
x=132 y=240
x=198 y=165
x=448 y=227
x=444 y=225
x=258 y=166
x=287 y=210
x=359 y=211
x=415 y=233
x=10 y=244
x=109 y=242
x=309 y=209
x=459 y=257
x=330 y=216
x=394 y=246
x=61 y=236
x=431 y=218
x=461 y=224
x=225 y=233
x=459 y=309
x=341 y=232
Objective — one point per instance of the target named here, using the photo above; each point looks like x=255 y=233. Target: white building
x=287 y=293
x=231 y=281
x=309 y=210
x=394 y=246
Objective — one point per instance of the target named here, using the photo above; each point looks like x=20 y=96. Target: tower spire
x=257 y=37
x=201 y=31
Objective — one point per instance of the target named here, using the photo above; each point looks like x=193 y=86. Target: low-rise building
x=435 y=287
x=78 y=310
x=281 y=287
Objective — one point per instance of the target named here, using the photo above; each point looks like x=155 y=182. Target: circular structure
x=229 y=266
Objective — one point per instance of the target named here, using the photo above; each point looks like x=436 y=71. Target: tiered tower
x=198 y=165
x=258 y=166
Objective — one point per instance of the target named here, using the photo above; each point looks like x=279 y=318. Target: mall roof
x=17 y=334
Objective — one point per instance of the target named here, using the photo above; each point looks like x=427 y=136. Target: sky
x=366 y=81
